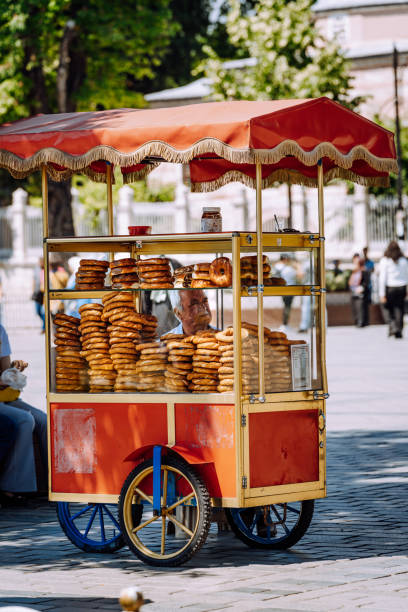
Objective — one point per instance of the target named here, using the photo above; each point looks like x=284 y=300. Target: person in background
x=18 y=474
x=287 y=271
x=158 y=303
x=38 y=291
x=71 y=307
x=369 y=266
x=336 y=267
x=392 y=287
x=359 y=282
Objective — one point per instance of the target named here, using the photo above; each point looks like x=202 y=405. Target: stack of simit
x=124 y=273
x=155 y=273
x=151 y=366
x=70 y=371
x=124 y=333
x=181 y=351
x=206 y=361
x=95 y=348
x=91 y=274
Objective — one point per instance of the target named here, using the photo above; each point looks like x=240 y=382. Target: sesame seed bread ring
x=110 y=306
x=152 y=273
x=89 y=286
x=152 y=368
x=87 y=335
x=178 y=359
x=210 y=365
x=120 y=332
x=209 y=346
x=147 y=345
x=63 y=317
x=126 y=285
x=154 y=261
x=126 y=261
x=70 y=359
x=227 y=360
x=203 y=389
x=67 y=336
x=127 y=325
x=94 y=262
x=227 y=335
x=177 y=351
x=210 y=382
x=116 y=273
x=126 y=314
x=277 y=334
x=118 y=313
x=175 y=375
x=177 y=369
x=116 y=296
x=201 y=284
x=67 y=342
x=167 y=337
x=68 y=329
x=201 y=357
x=150 y=351
x=92 y=306
x=92 y=323
x=225 y=370
x=121 y=343
x=88 y=318
x=203 y=336
x=124 y=278
x=92 y=329
x=156 y=285
x=201 y=276
x=95 y=345
x=201 y=351
x=172 y=344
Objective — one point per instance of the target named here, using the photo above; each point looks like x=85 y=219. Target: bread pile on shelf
x=150 y=367
x=95 y=348
x=249 y=272
x=70 y=370
x=206 y=361
x=179 y=362
x=226 y=370
x=183 y=277
x=124 y=332
x=155 y=273
x=124 y=273
x=218 y=273
x=91 y=274
x=149 y=327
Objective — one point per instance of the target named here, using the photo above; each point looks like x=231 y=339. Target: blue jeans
x=39 y=309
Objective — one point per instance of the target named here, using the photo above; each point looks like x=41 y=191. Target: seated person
x=18 y=473
x=192 y=309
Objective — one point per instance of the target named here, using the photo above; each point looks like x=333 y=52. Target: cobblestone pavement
x=353 y=556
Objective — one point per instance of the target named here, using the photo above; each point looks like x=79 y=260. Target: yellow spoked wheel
x=171 y=535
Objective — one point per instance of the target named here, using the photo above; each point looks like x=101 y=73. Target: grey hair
x=175 y=301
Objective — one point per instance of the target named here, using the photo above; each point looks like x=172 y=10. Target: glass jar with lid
x=211 y=220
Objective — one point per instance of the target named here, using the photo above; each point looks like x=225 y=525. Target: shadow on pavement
x=363 y=516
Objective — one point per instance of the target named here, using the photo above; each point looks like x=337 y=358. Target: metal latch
x=137 y=244
x=255 y=289
x=244 y=482
x=249 y=239
x=320 y=395
x=243 y=420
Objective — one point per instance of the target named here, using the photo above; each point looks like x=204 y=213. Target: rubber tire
x=72 y=533
x=298 y=531
x=204 y=503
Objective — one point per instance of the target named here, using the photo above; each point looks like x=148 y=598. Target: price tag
x=301 y=375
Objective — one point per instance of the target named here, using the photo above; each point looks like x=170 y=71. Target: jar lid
x=211 y=209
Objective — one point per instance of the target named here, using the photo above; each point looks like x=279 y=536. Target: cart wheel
x=91 y=527
x=276 y=526
x=171 y=536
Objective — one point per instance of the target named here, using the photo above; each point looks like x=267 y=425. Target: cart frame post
x=320 y=197
x=260 y=288
x=44 y=193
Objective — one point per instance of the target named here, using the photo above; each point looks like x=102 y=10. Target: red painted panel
x=210 y=428
x=283 y=447
x=89 y=443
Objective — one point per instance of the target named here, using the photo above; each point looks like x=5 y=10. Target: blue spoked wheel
x=92 y=527
x=274 y=527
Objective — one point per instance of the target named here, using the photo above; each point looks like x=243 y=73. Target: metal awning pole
x=322 y=271
x=109 y=202
x=260 y=306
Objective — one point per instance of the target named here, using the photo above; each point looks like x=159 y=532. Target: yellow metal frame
x=234 y=243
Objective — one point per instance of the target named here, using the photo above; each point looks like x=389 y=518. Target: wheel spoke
x=165 y=474
x=181 y=501
x=281 y=522
x=112 y=518
x=163 y=535
x=182 y=527
x=136 y=529
x=144 y=496
x=291 y=508
x=91 y=520
x=81 y=512
x=102 y=524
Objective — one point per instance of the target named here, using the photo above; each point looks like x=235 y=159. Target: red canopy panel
x=288 y=136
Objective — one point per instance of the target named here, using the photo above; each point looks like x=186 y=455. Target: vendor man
x=192 y=309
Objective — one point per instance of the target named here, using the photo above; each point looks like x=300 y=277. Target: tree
x=68 y=55
x=288 y=57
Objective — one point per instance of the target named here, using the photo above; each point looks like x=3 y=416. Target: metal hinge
x=320 y=395
x=243 y=420
x=317 y=290
x=244 y=482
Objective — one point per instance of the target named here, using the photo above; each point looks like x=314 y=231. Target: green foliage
x=293 y=60
x=392 y=190
x=108 y=44
x=338 y=282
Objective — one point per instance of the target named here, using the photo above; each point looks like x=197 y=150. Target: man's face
x=195 y=313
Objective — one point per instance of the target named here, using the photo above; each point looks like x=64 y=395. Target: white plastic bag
x=14 y=378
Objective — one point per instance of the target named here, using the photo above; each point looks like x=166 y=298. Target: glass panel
x=280 y=269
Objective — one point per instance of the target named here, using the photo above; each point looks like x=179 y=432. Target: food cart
x=254 y=441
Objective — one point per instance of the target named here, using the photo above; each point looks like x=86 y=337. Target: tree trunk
x=59 y=209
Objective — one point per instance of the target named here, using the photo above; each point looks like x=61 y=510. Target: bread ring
x=210 y=365
x=126 y=261
x=127 y=277
x=95 y=345
x=227 y=335
x=94 y=262
x=91 y=329
x=110 y=306
x=79 y=361
x=67 y=318
x=156 y=285
x=68 y=329
x=150 y=351
x=154 y=261
x=208 y=352
x=67 y=342
x=201 y=357
x=203 y=389
x=126 y=285
x=116 y=296
x=148 y=274
x=201 y=284
x=127 y=325
x=88 y=318
x=221 y=272
x=201 y=276
x=226 y=360
x=94 y=322
x=66 y=335
x=89 y=287
x=225 y=348
x=201 y=267
x=127 y=315
x=172 y=344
